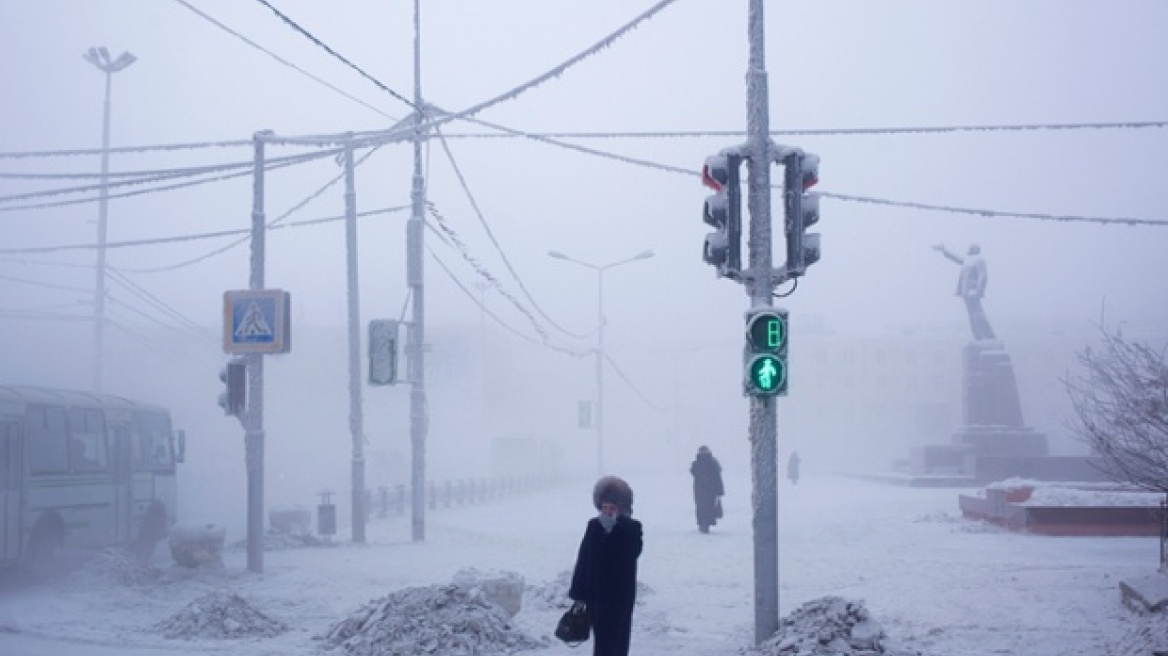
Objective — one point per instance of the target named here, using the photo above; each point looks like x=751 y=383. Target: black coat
x=605 y=579
x=707 y=487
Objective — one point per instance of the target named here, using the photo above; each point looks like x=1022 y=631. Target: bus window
x=153 y=450
x=5 y=457
x=48 y=438
x=87 y=444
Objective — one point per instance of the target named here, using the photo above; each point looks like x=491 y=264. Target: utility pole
x=763 y=421
x=356 y=420
x=100 y=58
x=254 y=424
x=416 y=336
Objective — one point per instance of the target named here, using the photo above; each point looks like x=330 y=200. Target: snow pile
x=826 y=626
x=118 y=566
x=1147 y=635
x=553 y=595
x=448 y=619
x=504 y=589
x=220 y=614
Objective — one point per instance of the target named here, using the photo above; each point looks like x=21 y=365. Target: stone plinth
x=989 y=390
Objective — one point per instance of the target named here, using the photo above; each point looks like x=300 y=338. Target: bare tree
x=1121 y=407
x=1120 y=404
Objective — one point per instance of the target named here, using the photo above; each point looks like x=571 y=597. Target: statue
x=971 y=286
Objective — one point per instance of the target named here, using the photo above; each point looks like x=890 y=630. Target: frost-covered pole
x=254 y=427
x=763 y=450
x=416 y=335
x=356 y=422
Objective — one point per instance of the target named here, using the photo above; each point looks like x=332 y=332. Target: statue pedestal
x=993 y=430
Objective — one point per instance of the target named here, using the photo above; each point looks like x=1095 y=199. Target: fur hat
x=612 y=489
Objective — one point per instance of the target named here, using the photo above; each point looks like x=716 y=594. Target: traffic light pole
x=763 y=421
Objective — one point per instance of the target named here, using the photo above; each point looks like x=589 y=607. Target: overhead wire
x=283 y=61
x=171 y=174
x=139 y=192
x=494 y=317
x=117 y=276
x=820 y=132
x=636 y=390
x=276 y=221
x=995 y=213
x=452 y=239
x=494 y=241
x=360 y=71
x=188 y=170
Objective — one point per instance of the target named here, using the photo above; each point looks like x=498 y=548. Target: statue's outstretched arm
x=948 y=255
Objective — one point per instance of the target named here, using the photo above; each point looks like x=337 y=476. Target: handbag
x=718 y=508
x=574 y=627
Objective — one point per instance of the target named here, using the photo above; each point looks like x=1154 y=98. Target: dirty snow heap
x=438 y=619
x=221 y=614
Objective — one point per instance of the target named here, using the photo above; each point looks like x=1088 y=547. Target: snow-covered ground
x=903 y=558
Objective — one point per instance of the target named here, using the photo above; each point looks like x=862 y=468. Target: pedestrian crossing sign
x=256 y=321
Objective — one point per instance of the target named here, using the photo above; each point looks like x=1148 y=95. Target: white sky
x=832 y=65
x=939 y=585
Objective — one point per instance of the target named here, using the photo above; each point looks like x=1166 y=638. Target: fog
x=876 y=330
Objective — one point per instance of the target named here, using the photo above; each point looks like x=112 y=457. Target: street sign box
x=257 y=321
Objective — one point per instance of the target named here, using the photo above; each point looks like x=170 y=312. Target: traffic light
x=765 y=371
x=801 y=211
x=233 y=399
x=383 y=352
x=723 y=211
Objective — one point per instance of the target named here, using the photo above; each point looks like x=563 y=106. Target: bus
x=83 y=470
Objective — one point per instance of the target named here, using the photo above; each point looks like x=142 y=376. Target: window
x=87 y=440
x=6 y=439
x=152 y=450
x=48 y=437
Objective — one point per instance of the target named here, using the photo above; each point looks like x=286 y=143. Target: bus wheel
x=40 y=557
x=153 y=529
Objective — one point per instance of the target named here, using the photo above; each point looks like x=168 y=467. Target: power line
x=187 y=170
x=187 y=237
x=491 y=235
x=282 y=60
x=995 y=213
x=274 y=222
x=822 y=132
x=489 y=313
x=335 y=54
x=620 y=374
x=79 y=152
x=451 y=238
x=139 y=192
x=162 y=175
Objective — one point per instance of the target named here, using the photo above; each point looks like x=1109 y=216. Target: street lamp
x=600 y=269
x=100 y=58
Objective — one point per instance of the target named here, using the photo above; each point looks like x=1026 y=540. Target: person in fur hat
x=605 y=576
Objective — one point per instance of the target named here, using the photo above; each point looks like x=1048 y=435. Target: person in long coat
x=707 y=488
x=605 y=575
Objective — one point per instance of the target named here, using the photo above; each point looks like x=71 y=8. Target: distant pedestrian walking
x=707 y=488
x=605 y=576
x=793 y=467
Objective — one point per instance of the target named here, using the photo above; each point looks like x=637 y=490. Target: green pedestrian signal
x=767 y=373
x=765 y=370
